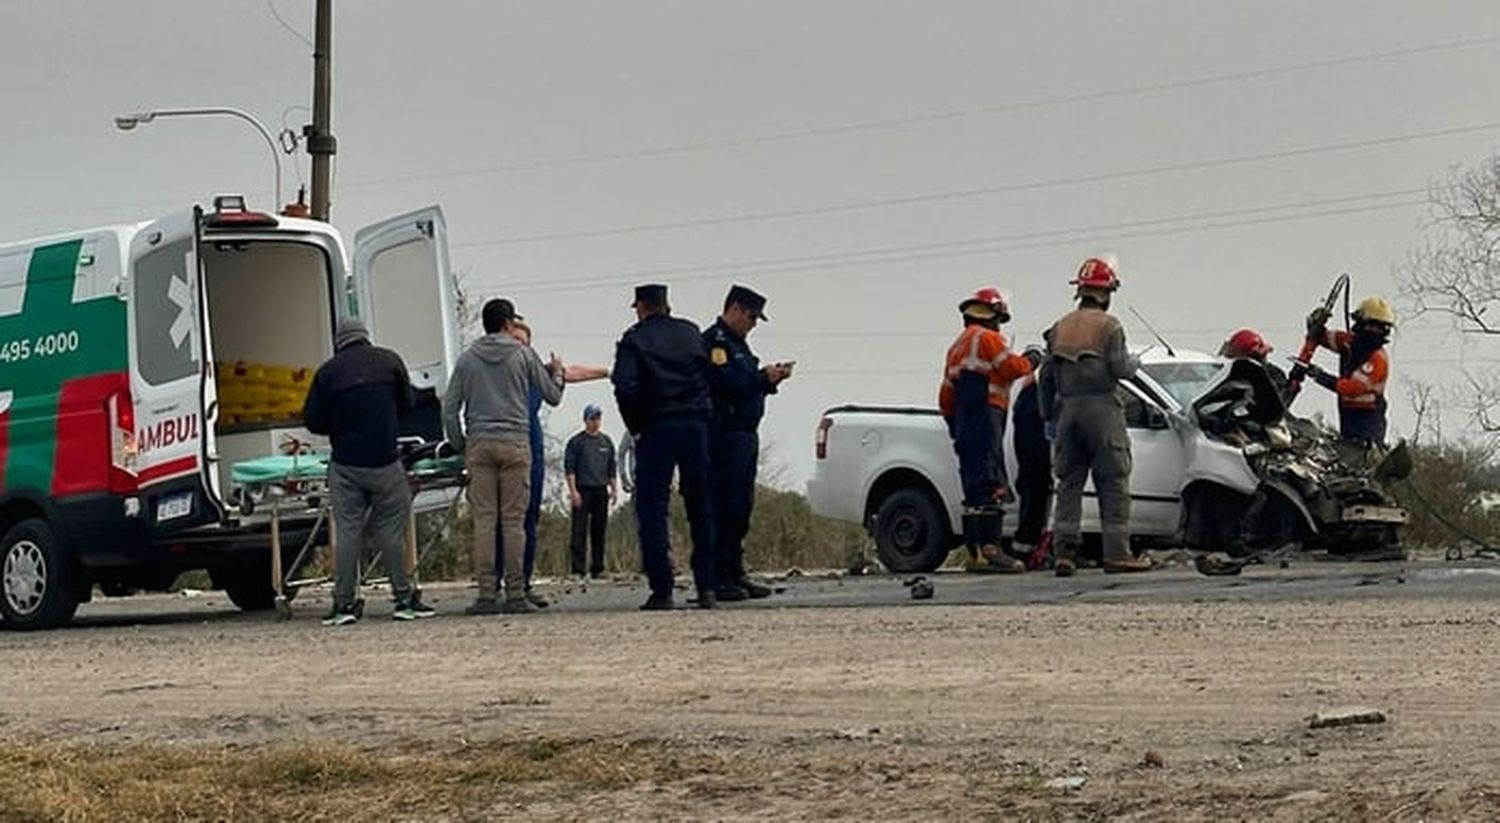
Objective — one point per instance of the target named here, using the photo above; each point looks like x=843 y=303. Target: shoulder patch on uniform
x=719 y=355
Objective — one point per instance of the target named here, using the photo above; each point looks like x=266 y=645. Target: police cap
x=749 y=298
x=650 y=294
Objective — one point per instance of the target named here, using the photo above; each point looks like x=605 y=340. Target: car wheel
x=910 y=532
x=248 y=586
x=1272 y=525
x=35 y=592
x=1214 y=517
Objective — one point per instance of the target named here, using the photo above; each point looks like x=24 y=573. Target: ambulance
x=138 y=363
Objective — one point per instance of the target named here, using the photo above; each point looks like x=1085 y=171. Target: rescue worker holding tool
x=974 y=400
x=1086 y=359
x=1363 y=367
x=1248 y=344
x=739 y=385
x=356 y=399
x=661 y=385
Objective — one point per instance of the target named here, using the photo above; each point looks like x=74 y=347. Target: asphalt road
x=1304 y=580
x=841 y=697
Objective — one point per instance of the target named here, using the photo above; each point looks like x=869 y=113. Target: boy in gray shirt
x=589 y=462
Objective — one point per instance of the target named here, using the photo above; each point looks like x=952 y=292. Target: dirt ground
x=1185 y=706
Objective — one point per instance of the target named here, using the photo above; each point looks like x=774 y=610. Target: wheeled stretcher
x=297 y=484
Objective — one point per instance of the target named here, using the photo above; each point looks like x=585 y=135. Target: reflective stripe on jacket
x=1361 y=385
x=981 y=350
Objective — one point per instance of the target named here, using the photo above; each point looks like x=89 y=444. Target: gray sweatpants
x=378 y=500
x=1091 y=439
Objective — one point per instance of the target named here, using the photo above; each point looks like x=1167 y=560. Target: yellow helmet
x=1375 y=310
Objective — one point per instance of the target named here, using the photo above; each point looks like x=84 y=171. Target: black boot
x=971 y=535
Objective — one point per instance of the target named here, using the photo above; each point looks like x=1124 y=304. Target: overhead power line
x=934 y=117
x=834 y=129
x=985 y=245
x=958 y=194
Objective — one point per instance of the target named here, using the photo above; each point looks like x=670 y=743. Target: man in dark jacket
x=739 y=385
x=356 y=399
x=661 y=386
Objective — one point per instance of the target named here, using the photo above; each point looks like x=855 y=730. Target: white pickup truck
x=894 y=469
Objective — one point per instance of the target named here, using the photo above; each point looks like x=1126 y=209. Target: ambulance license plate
x=174 y=506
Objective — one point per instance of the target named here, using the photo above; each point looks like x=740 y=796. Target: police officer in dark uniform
x=739 y=387
x=661 y=385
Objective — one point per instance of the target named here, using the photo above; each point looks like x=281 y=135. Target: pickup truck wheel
x=34 y=586
x=248 y=587
x=910 y=535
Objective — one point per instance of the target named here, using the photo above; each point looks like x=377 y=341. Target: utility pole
x=320 y=142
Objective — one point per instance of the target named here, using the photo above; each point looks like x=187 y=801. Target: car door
x=170 y=376
x=1158 y=459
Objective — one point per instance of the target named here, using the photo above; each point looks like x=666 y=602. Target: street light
x=128 y=122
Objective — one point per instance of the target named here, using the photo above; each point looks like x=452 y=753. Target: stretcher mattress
x=280 y=468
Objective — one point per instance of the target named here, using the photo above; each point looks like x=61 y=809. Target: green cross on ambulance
x=139 y=362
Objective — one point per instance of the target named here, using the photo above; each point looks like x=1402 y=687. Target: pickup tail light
x=821 y=438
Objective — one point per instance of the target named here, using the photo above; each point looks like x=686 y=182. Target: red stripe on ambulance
x=168 y=470
x=81 y=462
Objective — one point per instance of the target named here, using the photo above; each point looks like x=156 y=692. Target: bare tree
x=466 y=307
x=1428 y=412
x=1456 y=272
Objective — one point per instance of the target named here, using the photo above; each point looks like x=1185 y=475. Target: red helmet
x=1097 y=273
x=990 y=297
x=1245 y=343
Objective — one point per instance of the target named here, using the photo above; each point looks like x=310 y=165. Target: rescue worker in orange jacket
x=1364 y=367
x=974 y=400
x=1086 y=359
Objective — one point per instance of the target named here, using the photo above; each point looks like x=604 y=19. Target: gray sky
x=863 y=164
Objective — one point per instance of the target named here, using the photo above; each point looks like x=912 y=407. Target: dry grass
x=589 y=779
x=45 y=782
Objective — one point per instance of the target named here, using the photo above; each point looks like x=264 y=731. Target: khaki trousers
x=499 y=489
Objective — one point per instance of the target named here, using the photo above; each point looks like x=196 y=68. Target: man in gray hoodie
x=488 y=392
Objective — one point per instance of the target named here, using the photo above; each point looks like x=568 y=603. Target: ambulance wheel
x=248 y=586
x=35 y=592
x=910 y=532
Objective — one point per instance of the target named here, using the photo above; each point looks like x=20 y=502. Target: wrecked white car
x=1258 y=479
x=1218 y=466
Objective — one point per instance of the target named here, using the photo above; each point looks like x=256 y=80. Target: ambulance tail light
x=820 y=440
x=122 y=444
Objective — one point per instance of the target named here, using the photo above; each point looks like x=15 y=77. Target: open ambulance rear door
x=407 y=294
x=171 y=381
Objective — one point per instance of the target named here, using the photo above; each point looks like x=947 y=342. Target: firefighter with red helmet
x=974 y=400
x=1248 y=344
x=1086 y=359
x=1364 y=367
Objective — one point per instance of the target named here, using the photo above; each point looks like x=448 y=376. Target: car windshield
x=1183 y=380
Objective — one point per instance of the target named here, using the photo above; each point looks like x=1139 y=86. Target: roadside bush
x=784 y=533
x=1446 y=484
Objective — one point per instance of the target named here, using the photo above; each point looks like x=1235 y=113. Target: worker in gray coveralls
x=1086 y=359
